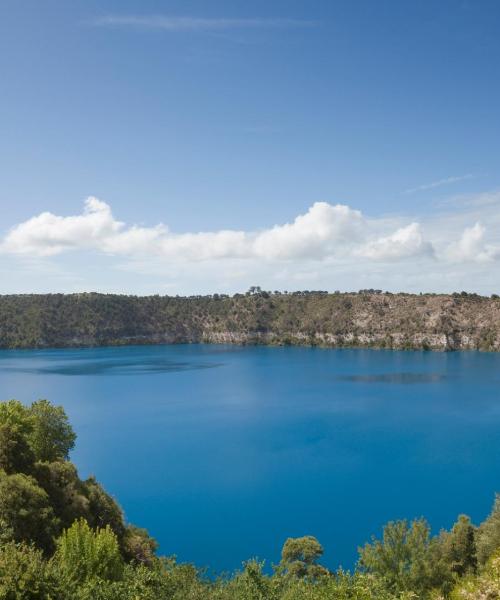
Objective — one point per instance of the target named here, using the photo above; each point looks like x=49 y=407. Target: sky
x=186 y=146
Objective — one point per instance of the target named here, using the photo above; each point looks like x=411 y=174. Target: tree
x=138 y=546
x=24 y=574
x=406 y=559
x=25 y=512
x=103 y=509
x=488 y=536
x=250 y=583
x=67 y=493
x=84 y=554
x=459 y=547
x=16 y=455
x=299 y=557
x=52 y=436
x=15 y=414
x=15 y=428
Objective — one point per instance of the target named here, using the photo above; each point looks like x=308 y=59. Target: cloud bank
x=325 y=231
x=328 y=246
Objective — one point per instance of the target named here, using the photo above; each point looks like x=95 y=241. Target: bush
x=84 y=555
x=24 y=574
x=25 y=512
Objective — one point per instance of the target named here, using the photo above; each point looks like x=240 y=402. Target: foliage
x=484 y=587
x=103 y=509
x=459 y=547
x=52 y=436
x=68 y=495
x=16 y=415
x=25 y=512
x=138 y=546
x=488 y=538
x=84 y=554
x=39 y=432
x=407 y=559
x=24 y=574
x=300 y=555
x=16 y=455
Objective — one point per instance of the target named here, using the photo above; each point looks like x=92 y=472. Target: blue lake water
x=222 y=452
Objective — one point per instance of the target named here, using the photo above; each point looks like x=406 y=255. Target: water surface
x=222 y=452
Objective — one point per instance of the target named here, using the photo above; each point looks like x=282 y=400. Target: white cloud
x=48 y=234
x=327 y=247
x=205 y=246
x=96 y=228
x=472 y=246
x=406 y=242
x=323 y=231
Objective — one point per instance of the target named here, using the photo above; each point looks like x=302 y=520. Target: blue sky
x=235 y=118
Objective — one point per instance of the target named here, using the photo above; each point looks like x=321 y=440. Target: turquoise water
x=223 y=451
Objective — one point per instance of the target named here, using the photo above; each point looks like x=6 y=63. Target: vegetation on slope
x=62 y=538
x=368 y=318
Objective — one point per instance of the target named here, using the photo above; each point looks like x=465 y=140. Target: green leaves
x=16 y=455
x=25 y=511
x=488 y=538
x=84 y=554
x=25 y=575
x=42 y=427
x=51 y=437
x=459 y=547
x=407 y=559
x=299 y=557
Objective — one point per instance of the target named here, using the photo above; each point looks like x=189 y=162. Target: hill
x=368 y=319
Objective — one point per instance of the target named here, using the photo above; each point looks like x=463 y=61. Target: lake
x=222 y=452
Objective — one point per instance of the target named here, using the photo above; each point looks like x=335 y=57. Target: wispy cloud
x=195 y=24
x=439 y=183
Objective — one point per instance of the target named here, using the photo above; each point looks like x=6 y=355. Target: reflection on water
x=398 y=378
x=112 y=367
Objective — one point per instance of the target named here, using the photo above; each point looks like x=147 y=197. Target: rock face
x=366 y=319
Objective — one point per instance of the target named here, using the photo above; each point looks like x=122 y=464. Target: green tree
x=103 y=509
x=84 y=554
x=406 y=559
x=67 y=493
x=299 y=557
x=24 y=574
x=15 y=414
x=251 y=584
x=138 y=546
x=16 y=455
x=52 y=436
x=459 y=547
x=25 y=512
x=488 y=535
